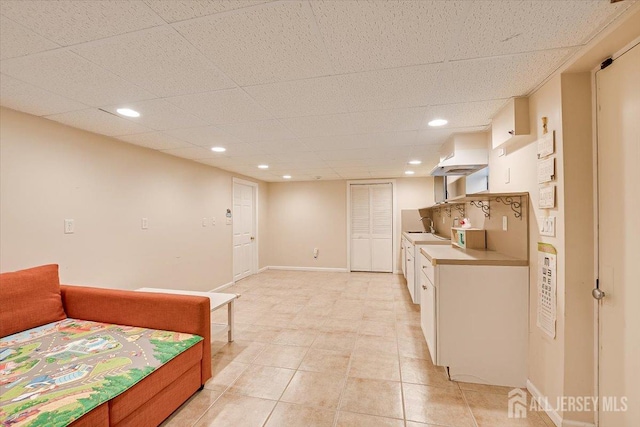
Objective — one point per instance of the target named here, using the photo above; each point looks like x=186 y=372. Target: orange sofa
x=30 y=298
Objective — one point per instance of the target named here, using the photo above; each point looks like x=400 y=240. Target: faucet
x=431 y=229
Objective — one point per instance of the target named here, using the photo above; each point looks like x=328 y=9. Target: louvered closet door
x=371 y=227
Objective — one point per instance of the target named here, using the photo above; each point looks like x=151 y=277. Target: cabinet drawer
x=427 y=268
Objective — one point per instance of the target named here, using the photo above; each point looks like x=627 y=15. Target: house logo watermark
x=519 y=405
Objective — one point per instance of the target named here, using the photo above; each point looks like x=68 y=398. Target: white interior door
x=243 y=230
x=371 y=227
x=618 y=121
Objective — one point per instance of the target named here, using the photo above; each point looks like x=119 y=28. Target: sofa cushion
x=30 y=298
x=56 y=373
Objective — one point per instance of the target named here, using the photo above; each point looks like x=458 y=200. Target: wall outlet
x=69 y=226
x=213 y=220
x=229 y=222
x=144 y=223
x=504 y=223
x=204 y=222
x=548 y=226
x=315 y=253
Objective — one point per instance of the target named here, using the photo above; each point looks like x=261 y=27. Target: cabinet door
x=428 y=316
x=411 y=274
x=403 y=258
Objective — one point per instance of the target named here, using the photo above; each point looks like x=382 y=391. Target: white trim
x=221 y=287
x=393 y=217
x=291 y=268
x=255 y=187
x=555 y=417
x=263 y=269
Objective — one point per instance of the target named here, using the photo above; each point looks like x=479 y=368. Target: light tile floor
x=334 y=349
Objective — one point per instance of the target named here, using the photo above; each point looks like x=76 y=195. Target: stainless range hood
x=463 y=154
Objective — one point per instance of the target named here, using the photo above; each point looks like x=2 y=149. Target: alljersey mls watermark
x=519 y=405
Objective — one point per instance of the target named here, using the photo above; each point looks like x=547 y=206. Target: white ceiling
x=331 y=89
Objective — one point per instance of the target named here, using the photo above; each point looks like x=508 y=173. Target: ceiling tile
x=73 y=21
x=207 y=136
x=314 y=126
x=264 y=130
x=71 y=76
x=222 y=106
x=243 y=150
x=395 y=88
x=300 y=157
x=269 y=43
x=498 y=27
x=158 y=114
x=369 y=35
x=317 y=96
x=281 y=146
x=299 y=166
x=180 y=10
x=389 y=120
x=464 y=114
x=190 y=153
x=178 y=67
x=500 y=77
x=33 y=100
x=98 y=121
x=16 y=40
x=155 y=140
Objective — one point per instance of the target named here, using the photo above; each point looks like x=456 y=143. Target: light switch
x=504 y=223
x=144 y=223
x=69 y=226
x=507 y=176
x=548 y=226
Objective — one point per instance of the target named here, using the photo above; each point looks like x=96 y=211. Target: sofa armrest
x=179 y=313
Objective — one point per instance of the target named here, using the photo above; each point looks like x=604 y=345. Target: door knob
x=253 y=238
x=597 y=293
x=424 y=287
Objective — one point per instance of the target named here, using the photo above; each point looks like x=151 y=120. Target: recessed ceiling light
x=128 y=112
x=409 y=172
x=263 y=166
x=218 y=149
x=415 y=162
x=438 y=122
x=286 y=176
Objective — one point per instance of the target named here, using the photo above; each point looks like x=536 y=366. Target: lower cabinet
x=475 y=321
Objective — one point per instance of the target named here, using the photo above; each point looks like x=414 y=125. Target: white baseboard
x=221 y=287
x=555 y=417
x=291 y=268
x=263 y=269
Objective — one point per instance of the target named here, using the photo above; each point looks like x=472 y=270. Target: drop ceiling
x=330 y=89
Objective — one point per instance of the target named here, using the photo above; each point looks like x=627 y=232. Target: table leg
x=232 y=308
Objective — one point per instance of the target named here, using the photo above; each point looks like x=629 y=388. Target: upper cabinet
x=511 y=123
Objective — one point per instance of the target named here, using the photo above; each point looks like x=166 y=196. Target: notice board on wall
x=547 y=261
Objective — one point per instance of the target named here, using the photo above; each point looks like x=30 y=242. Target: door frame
x=596 y=219
x=394 y=235
x=254 y=192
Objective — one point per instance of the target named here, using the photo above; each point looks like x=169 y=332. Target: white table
x=217 y=300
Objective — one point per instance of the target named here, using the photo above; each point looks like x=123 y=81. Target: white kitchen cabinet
x=411 y=275
x=511 y=123
x=475 y=320
x=427 y=308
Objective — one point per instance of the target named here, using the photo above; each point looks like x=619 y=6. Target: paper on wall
x=546 y=319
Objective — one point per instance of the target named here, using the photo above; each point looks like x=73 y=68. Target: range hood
x=463 y=154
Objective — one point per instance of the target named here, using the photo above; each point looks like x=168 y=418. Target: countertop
x=425 y=239
x=439 y=255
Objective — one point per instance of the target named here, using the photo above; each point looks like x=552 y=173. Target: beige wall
x=306 y=215
x=50 y=172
